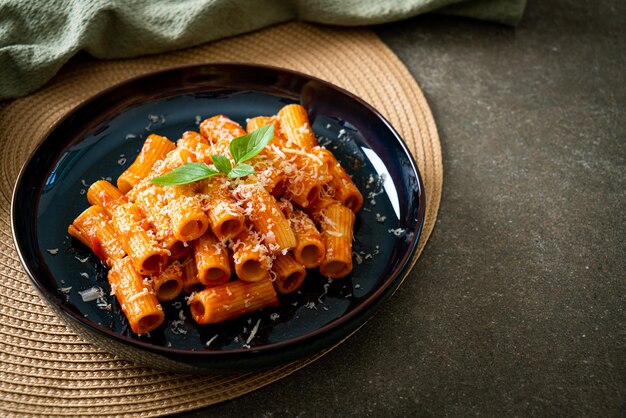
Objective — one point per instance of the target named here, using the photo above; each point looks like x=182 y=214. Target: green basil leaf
x=247 y=146
x=222 y=163
x=241 y=170
x=186 y=173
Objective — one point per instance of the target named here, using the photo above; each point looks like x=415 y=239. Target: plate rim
x=377 y=296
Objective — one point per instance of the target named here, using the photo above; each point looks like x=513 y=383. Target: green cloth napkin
x=38 y=36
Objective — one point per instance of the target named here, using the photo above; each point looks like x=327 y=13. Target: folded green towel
x=38 y=36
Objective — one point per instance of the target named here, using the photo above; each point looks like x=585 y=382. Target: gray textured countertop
x=517 y=305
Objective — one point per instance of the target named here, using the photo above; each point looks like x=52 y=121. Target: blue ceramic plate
x=101 y=137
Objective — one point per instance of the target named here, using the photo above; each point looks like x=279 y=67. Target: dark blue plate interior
x=102 y=137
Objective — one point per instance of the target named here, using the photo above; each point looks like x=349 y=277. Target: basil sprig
x=184 y=174
x=242 y=149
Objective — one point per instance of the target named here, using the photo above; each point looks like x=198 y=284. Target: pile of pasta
x=296 y=212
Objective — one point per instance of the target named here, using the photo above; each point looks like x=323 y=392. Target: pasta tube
x=260 y=121
x=267 y=218
x=197 y=145
x=136 y=298
x=225 y=217
x=305 y=173
x=212 y=260
x=219 y=131
x=231 y=300
x=152 y=201
x=191 y=282
x=267 y=175
x=269 y=163
x=174 y=159
x=103 y=193
x=257 y=122
x=312 y=172
x=304 y=183
x=337 y=223
x=154 y=149
x=249 y=257
x=315 y=210
x=93 y=228
x=309 y=249
x=294 y=123
x=287 y=274
x=344 y=188
x=147 y=255
x=188 y=219
x=169 y=283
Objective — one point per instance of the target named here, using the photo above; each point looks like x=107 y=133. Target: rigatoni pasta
x=189 y=220
x=151 y=199
x=295 y=125
x=104 y=194
x=309 y=249
x=93 y=228
x=212 y=261
x=214 y=215
x=154 y=149
x=142 y=248
x=287 y=274
x=191 y=280
x=230 y=300
x=250 y=256
x=135 y=296
x=265 y=214
x=225 y=216
x=341 y=184
x=337 y=223
x=168 y=284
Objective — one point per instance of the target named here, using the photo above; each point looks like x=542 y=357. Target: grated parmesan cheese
x=253 y=332
x=178 y=327
x=398 y=232
x=102 y=303
x=91 y=294
x=208 y=343
x=334 y=233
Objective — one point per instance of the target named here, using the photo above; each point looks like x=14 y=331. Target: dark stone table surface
x=517 y=305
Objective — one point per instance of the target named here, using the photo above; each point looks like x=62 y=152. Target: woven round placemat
x=46 y=369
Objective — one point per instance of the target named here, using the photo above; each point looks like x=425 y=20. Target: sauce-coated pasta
x=234 y=243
